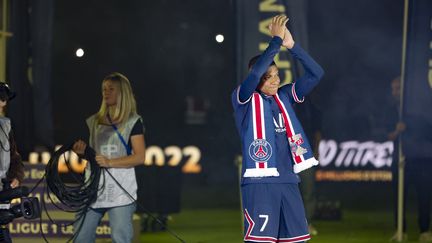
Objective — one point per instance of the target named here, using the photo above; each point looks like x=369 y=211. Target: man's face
x=270 y=81
x=2 y=103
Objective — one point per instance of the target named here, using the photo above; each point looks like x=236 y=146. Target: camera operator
x=11 y=166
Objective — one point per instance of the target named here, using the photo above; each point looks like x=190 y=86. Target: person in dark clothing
x=416 y=137
x=11 y=166
x=311 y=118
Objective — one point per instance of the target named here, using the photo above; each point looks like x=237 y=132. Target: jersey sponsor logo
x=280 y=124
x=260 y=150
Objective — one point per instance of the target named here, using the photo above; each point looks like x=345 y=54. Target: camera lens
x=27 y=209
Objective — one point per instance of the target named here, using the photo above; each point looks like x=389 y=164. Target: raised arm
x=248 y=86
x=313 y=71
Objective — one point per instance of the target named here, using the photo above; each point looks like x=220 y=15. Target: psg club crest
x=260 y=150
x=295 y=143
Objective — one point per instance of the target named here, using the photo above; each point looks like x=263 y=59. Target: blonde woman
x=117 y=136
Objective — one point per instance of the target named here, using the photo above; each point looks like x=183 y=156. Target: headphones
x=6 y=94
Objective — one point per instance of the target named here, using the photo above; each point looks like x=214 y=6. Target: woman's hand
x=14 y=183
x=103 y=161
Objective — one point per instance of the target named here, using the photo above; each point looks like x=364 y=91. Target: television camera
x=27 y=208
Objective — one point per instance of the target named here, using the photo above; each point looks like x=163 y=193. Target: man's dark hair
x=6 y=94
x=254 y=59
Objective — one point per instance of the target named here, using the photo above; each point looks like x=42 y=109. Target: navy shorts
x=274 y=213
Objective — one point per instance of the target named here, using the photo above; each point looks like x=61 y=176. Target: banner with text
x=354 y=160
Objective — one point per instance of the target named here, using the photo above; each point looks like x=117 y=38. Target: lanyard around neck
x=128 y=148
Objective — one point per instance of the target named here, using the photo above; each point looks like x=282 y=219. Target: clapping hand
x=277 y=25
x=288 y=40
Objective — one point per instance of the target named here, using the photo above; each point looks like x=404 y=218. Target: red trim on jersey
x=294 y=94
x=295 y=239
x=258 y=110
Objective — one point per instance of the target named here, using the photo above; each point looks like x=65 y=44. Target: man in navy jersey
x=274 y=145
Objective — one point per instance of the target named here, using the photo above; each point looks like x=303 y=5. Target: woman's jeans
x=120 y=220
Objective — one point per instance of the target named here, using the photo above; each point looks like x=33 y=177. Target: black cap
x=6 y=94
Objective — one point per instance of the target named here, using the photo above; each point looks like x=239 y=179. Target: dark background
x=167 y=49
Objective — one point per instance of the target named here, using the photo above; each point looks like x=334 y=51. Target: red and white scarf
x=260 y=139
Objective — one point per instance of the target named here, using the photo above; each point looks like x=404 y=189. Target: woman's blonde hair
x=126 y=104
